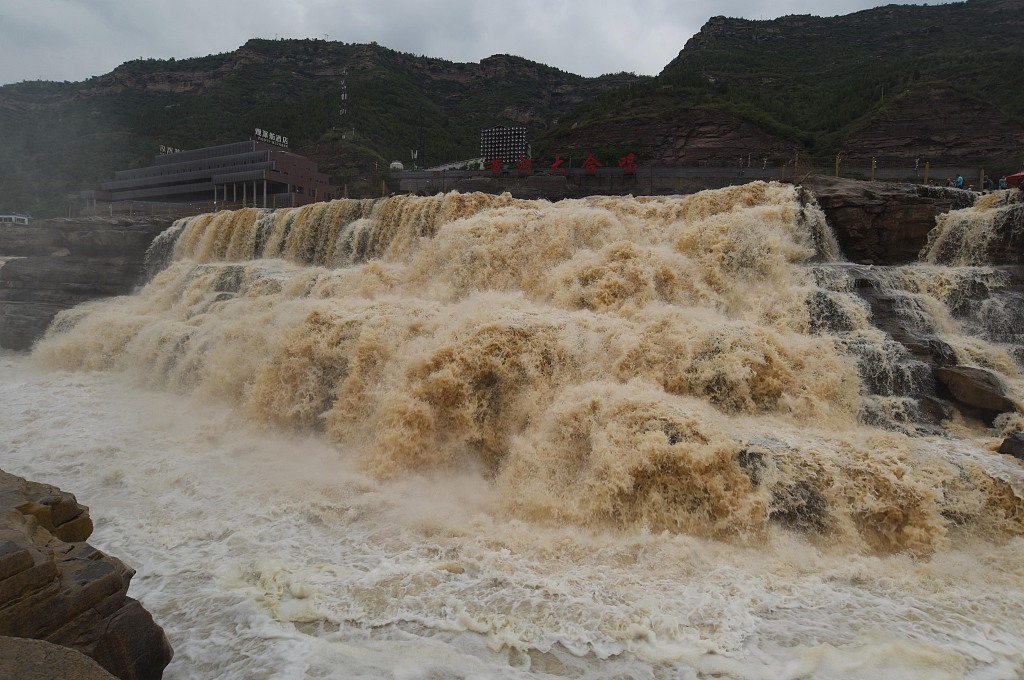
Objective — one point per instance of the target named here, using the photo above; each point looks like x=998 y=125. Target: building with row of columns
x=245 y=173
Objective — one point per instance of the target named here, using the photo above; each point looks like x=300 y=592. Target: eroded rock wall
x=57 y=588
x=51 y=265
x=883 y=223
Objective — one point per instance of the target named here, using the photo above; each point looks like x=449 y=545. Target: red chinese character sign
x=556 y=167
x=495 y=166
x=591 y=164
x=628 y=164
x=524 y=165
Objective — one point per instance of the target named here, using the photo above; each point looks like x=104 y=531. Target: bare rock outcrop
x=976 y=391
x=691 y=138
x=57 y=588
x=26 y=659
x=882 y=223
x=52 y=265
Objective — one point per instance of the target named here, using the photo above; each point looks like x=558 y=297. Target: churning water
x=471 y=436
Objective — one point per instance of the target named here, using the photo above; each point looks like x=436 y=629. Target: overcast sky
x=75 y=39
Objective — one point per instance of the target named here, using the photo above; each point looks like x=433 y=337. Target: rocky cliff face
x=882 y=223
x=52 y=265
x=932 y=124
x=896 y=83
x=57 y=588
x=691 y=138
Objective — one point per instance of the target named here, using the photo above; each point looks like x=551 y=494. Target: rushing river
x=470 y=436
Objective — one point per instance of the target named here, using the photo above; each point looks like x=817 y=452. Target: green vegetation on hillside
x=61 y=138
x=817 y=80
x=808 y=80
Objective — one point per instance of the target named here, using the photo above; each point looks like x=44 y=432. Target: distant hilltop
x=939 y=84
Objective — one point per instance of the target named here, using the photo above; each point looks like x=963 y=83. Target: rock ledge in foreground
x=57 y=588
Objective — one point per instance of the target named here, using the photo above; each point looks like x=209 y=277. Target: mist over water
x=475 y=436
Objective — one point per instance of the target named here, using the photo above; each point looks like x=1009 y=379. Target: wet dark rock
x=899 y=315
x=1013 y=445
x=935 y=409
x=800 y=506
x=752 y=463
x=796 y=503
x=57 y=588
x=967 y=296
x=987 y=301
x=230 y=279
x=976 y=391
x=827 y=314
x=61 y=263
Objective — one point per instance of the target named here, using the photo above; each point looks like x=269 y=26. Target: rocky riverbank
x=57 y=588
x=52 y=265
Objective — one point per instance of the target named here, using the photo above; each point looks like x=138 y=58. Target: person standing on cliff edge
x=959 y=181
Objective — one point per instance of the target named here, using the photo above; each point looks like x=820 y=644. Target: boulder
x=976 y=391
x=1013 y=445
x=56 y=588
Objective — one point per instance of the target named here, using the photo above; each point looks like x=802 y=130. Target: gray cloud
x=75 y=39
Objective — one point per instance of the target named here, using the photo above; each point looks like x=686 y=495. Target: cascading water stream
x=604 y=361
x=699 y=368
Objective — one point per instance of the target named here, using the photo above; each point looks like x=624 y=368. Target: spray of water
x=630 y=362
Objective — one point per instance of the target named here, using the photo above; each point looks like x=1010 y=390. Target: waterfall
x=610 y=361
x=979 y=235
x=474 y=436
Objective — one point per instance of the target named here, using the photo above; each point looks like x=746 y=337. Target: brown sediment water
x=972 y=236
x=695 y=376
x=606 y=361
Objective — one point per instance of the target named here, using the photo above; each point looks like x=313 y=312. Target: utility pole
x=343 y=110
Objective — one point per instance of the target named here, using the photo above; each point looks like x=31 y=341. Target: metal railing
x=657 y=179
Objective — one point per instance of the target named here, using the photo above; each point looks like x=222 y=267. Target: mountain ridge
x=901 y=81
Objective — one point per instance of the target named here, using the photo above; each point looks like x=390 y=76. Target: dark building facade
x=247 y=173
x=506 y=142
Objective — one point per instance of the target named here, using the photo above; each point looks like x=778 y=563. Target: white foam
x=266 y=555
